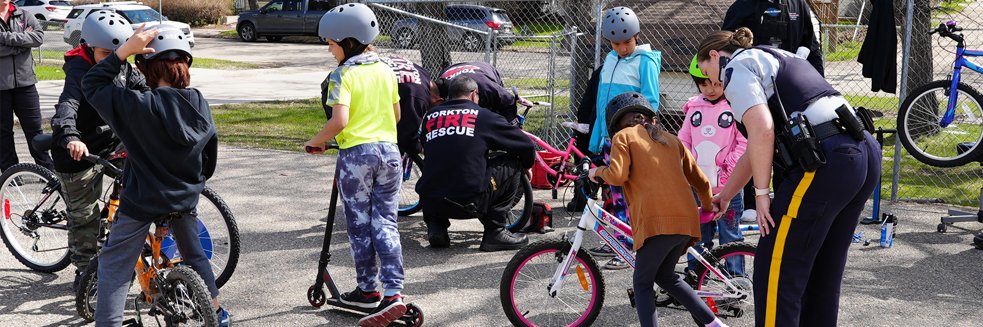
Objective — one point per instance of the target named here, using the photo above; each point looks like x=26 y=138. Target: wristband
x=761 y=191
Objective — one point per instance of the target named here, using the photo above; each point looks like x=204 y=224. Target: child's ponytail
x=655 y=129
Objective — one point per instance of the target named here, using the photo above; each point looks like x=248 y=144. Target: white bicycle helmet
x=105 y=29
x=352 y=20
x=620 y=24
x=169 y=44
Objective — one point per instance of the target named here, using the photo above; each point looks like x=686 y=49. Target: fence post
x=488 y=46
x=906 y=59
x=597 y=34
x=494 y=37
x=574 y=35
x=551 y=85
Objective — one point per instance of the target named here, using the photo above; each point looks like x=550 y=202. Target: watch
x=761 y=191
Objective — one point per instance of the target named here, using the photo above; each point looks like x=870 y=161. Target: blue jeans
x=368 y=177
x=729 y=228
x=118 y=258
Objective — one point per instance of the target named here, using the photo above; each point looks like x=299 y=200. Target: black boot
x=501 y=239
x=438 y=237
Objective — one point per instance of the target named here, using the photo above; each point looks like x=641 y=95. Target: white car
x=135 y=12
x=46 y=10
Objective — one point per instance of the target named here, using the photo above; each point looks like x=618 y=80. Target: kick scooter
x=315 y=294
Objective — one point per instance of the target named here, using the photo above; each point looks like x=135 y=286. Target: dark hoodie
x=75 y=119
x=492 y=93
x=169 y=137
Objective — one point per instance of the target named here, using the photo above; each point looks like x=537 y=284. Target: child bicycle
x=534 y=289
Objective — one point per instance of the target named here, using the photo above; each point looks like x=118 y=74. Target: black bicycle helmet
x=626 y=103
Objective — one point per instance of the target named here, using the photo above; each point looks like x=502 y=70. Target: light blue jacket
x=638 y=72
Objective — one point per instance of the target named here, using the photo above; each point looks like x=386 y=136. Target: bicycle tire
x=558 y=249
x=909 y=133
x=718 y=257
x=18 y=183
x=87 y=292
x=410 y=205
x=200 y=298
x=516 y=221
x=220 y=241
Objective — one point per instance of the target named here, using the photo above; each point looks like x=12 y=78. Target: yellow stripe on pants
x=771 y=303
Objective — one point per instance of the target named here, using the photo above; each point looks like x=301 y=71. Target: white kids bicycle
x=556 y=283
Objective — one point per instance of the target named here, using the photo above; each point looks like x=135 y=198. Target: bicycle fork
x=736 y=292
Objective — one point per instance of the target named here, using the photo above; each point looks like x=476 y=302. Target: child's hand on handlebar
x=314 y=147
x=592 y=174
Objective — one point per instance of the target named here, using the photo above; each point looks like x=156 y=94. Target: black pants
x=25 y=103
x=657 y=265
x=491 y=207
x=798 y=267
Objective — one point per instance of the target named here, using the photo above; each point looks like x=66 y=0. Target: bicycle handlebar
x=949 y=29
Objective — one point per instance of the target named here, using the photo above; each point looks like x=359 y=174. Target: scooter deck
x=405 y=320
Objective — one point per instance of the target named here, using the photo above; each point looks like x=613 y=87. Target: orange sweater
x=658 y=180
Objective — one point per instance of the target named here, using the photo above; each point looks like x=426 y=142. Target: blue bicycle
x=941 y=123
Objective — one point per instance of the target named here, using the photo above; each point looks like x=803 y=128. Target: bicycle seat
x=42 y=142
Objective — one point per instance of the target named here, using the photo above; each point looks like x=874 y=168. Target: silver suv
x=404 y=31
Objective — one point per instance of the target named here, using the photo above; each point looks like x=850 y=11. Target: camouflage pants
x=82 y=190
x=369 y=178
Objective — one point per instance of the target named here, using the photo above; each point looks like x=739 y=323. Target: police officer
x=829 y=165
x=784 y=24
x=462 y=177
x=416 y=96
x=492 y=94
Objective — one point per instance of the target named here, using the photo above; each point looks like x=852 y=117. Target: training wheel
x=413 y=316
x=315 y=295
x=942 y=228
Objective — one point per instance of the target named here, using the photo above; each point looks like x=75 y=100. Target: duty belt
x=827 y=129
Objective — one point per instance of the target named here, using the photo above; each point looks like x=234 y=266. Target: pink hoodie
x=710 y=133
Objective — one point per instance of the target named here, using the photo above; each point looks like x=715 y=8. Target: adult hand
x=317 y=147
x=137 y=44
x=77 y=150
x=763 y=207
x=720 y=204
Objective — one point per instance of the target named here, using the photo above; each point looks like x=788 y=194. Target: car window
x=60 y=3
x=75 y=13
x=319 y=6
x=274 y=6
x=19 y=3
x=33 y=3
x=453 y=13
x=292 y=5
x=500 y=16
x=140 y=15
x=474 y=14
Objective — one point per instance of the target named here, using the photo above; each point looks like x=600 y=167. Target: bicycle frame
x=961 y=54
x=564 y=156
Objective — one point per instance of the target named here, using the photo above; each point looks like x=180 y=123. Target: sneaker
x=749 y=216
x=223 y=317
x=616 y=264
x=502 y=240
x=390 y=309
x=602 y=251
x=361 y=299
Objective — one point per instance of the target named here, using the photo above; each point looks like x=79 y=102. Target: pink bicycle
x=559 y=168
x=556 y=283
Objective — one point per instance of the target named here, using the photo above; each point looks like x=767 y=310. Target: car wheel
x=274 y=38
x=247 y=32
x=404 y=38
x=471 y=42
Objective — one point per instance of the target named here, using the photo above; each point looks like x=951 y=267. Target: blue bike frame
x=961 y=54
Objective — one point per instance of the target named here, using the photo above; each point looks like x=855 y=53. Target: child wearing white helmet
x=364 y=104
x=75 y=131
x=629 y=67
x=171 y=148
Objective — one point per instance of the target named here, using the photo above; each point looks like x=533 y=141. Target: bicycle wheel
x=409 y=200
x=87 y=292
x=518 y=217
x=735 y=261
x=35 y=217
x=524 y=289
x=186 y=299
x=218 y=234
x=921 y=132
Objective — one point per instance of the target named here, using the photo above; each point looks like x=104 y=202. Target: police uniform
x=798 y=267
x=784 y=24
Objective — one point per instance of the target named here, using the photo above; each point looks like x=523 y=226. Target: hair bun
x=742 y=38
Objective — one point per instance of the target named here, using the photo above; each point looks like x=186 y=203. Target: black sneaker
x=502 y=240
x=361 y=299
x=391 y=309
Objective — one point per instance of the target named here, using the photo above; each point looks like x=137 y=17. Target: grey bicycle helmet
x=626 y=103
x=353 y=20
x=170 y=43
x=105 y=29
x=620 y=24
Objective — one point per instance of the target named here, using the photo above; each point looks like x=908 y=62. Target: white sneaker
x=749 y=216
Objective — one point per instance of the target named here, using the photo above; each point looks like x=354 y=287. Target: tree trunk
x=434 y=44
x=920 y=69
x=580 y=13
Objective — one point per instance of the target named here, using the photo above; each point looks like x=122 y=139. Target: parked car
x=280 y=18
x=404 y=31
x=134 y=12
x=46 y=10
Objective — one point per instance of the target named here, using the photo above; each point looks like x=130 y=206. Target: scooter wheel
x=413 y=316
x=941 y=228
x=315 y=295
